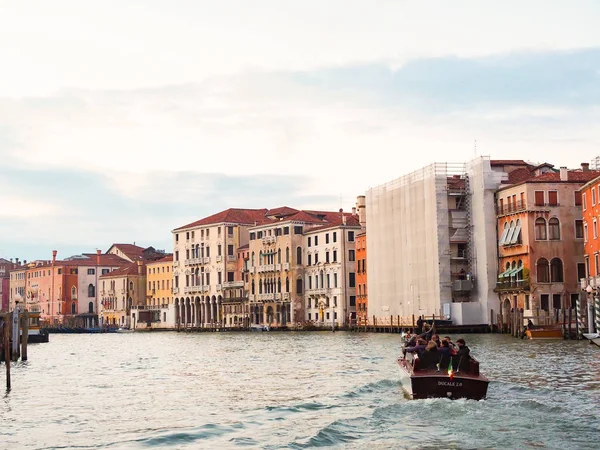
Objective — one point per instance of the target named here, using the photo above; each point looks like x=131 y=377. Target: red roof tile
x=508 y=162
x=282 y=211
x=232 y=215
x=168 y=258
x=574 y=176
x=351 y=221
x=129 y=270
x=130 y=250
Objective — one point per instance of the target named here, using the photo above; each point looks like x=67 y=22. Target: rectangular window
x=580 y=271
x=328 y=281
x=595 y=228
x=219 y=277
x=91 y=272
x=351 y=255
x=316 y=240
x=353 y=300
x=553 y=198
x=177 y=255
x=326 y=257
x=277 y=231
x=583 y=201
x=335 y=236
x=286 y=230
x=259 y=235
x=230 y=276
x=177 y=237
x=105 y=271
x=545 y=300
x=539 y=198
x=309 y=241
x=596 y=264
x=229 y=230
x=299 y=286
x=176 y=281
x=207 y=278
x=587 y=267
x=208 y=252
x=297 y=230
x=252 y=236
x=327 y=238
x=593 y=197
x=579 y=229
x=335 y=284
x=309 y=315
x=351 y=279
x=527 y=301
x=335 y=256
x=309 y=260
x=316 y=258
x=577 y=198
x=230 y=250
x=351 y=236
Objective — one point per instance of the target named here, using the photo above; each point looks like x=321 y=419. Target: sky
x=120 y=121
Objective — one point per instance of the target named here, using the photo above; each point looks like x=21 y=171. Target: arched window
x=554 y=229
x=542 y=267
x=279 y=285
x=131 y=285
x=260 y=258
x=73 y=308
x=260 y=286
x=287 y=254
x=520 y=272
x=510 y=234
x=91 y=307
x=73 y=292
x=556 y=270
x=299 y=256
x=253 y=259
x=253 y=288
x=91 y=290
x=287 y=284
x=540 y=229
x=278 y=256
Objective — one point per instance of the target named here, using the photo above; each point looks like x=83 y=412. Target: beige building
x=17 y=285
x=121 y=291
x=204 y=259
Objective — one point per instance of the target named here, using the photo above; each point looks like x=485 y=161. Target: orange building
x=361 y=277
x=540 y=237
x=590 y=197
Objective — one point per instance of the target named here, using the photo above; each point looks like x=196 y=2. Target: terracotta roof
x=168 y=258
x=282 y=211
x=106 y=259
x=232 y=215
x=130 y=250
x=243 y=247
x=520 y=176
x=351 y=221
x=361 y=234
x=508 y=162
x=128 y=270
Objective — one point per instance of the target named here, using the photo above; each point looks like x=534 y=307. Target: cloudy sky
x=120 y=121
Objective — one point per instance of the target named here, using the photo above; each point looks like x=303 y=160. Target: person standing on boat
x=420 y=325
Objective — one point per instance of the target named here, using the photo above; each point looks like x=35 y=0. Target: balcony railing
x=218 y=287
x=512 y=285
x=269 y=239
x=175 y=263
x=205 y=260
x=230 y=258
x=319 y=291
x=175 y=290
x=286 y=266
x=233 y=284
x=266 y=268
x=219 y=258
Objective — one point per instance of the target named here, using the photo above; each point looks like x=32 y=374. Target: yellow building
x=159 y=293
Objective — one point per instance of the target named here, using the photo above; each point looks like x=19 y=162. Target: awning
x=503 y=238
x=515 y=271
x=515 y=235
x=505 y=273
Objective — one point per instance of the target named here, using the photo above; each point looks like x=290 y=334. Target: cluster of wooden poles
x=11 y=325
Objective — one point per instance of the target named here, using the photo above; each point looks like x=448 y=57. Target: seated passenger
x=430 y=357
x=460 y=361
x=451 y=345
x=436 y=338
x=418 y=349
x=445 y=354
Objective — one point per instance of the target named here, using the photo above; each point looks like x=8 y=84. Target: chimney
x=54 y=256
x=139 y=264
x=362 y=214
x=585 y=167
x=564 y=174
x=24 y=262
x=353 y=210
x=17 y=261
x=98 y=253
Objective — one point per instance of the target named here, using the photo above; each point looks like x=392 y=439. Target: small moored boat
x=545 y=332
x=422 y=383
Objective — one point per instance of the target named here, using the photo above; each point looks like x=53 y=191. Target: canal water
x=291 y=390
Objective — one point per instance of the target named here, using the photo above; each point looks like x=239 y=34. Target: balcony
x=462 y=285
x=252 y=297
x=460 y=254
x=205 y=260
x=286 y=266
x=320 y=291
x=230 y=237
x=218 y=287
x=512 y=285
x=175 y=290
x=175 y=264
x=230 y=258
x=266 y=268
x=286 y=296
x=277 y=267
x=219 y=258
x=269 y=240
x=233 y=284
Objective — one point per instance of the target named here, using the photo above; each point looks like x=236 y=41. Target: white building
x=330 y=272
x=431 y=246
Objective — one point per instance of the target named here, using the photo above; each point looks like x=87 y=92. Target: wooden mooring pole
x=25 y=336
x=7 y=348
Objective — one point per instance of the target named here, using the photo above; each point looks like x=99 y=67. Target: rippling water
x=291 y=390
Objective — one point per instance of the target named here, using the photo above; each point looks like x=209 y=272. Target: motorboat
x=124 y=330
x=545 y=332
x=421 y=383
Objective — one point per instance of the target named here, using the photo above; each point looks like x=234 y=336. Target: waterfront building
x=589 y=272
x=432 y=242
x=121 y=291
x=133 y=253
x=541 y=238
x=5 y=267
x=65 y=291
x=236 y=311
x=17 y=283
x=204 y=258
x=362 y=302
x=158 y=310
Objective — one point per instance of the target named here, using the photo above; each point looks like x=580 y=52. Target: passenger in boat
x=451 y=345
x=436 y=338
x=461 y=360
x=420 y=324
x=445 y=354
x=430 y=356
x=412 y=341
x=419 y=349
